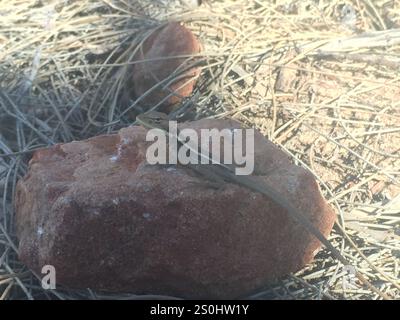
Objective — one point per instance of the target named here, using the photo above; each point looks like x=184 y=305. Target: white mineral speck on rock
x=114 y=158
x=40 y=231
x=65 y=200
x=119 y=148
x=125 y=141
x=147 y=215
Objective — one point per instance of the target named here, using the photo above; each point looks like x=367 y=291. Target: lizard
x=218 y=170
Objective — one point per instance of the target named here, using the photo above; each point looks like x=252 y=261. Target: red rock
x=169 y=41
x=107 y=220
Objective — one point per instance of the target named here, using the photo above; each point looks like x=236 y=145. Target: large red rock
x=163 y=75
x=108 y=220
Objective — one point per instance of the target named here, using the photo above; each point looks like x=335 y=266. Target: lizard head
x=152 y=119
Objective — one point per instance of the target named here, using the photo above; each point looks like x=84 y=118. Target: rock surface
x=169 y=79
x=108 y=220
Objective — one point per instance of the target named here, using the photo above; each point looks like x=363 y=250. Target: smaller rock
x=168 y=79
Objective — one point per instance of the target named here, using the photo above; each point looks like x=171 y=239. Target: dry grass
x=332 y=105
